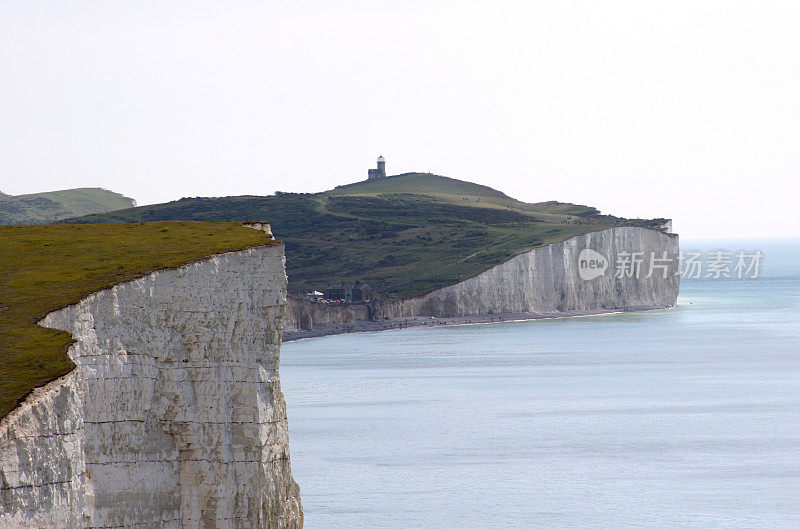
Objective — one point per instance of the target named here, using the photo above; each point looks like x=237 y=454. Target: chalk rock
x=641 y=273
x=173 y=416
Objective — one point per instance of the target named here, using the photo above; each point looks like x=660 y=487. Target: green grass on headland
x=44 y=268
x=409 y=234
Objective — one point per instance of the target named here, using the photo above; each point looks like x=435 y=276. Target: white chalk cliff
x=546 y=280
x=542 y=282
x=173 y=416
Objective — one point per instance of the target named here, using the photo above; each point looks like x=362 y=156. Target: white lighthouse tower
x=380 y=172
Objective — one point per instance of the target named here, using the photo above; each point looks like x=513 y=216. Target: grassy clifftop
x=408 y=234
x=41 y=208
x=44 y=268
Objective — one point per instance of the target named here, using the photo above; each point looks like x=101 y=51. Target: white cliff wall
x=307 y=315
x=173 y=417
x=545 y=280
x=541 y=282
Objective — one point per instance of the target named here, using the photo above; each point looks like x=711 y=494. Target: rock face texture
x=547 y=280
x=641 y=273
x=173 y=417
x=301 y=314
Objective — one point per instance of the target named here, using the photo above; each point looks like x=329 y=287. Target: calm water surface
x=682 y=418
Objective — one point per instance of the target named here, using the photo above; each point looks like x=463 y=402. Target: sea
x=681 y=418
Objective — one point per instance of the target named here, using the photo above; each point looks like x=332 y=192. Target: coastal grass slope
x=44 y=268
x=409 y=234
x=41 y=208
x=459 y=192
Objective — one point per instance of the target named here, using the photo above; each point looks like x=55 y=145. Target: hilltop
x=63 y=264
x=43 y=208
x=409 y=234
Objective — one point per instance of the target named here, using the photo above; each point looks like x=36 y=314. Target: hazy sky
x=689 y=110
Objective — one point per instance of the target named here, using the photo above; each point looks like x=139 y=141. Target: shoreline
x=387 y=324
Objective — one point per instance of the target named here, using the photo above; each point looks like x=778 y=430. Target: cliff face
x=301 y=314
x=173 y=416
x=545 y=281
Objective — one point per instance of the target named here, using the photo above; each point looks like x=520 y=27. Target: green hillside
x=43 y=208
x=44 y=268
x=456 y=191
x=408 y=234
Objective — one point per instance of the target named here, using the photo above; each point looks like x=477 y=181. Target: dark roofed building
x=357 y=291
x=379 y=172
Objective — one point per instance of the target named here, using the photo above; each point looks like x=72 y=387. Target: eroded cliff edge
x=173 y=416
x=542 y=282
